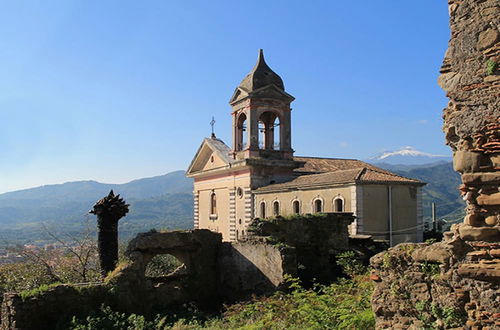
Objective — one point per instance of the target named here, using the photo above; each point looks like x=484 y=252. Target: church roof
x=220 y=148
x=261 y=76
x=321 y=165
x=318 y=172
x=209 y=146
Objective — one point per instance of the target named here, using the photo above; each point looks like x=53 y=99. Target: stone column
x=470 y=77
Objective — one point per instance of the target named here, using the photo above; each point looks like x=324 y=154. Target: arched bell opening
x=241 y=137
x=269 y=131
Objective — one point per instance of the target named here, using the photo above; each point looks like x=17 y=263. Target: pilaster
x=232 y=214
x=196 y=210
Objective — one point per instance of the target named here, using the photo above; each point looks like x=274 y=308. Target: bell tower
x=262 y=116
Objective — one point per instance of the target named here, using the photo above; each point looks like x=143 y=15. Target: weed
x=388 y=261
x=430 y=268
x=491 y=67
x=430 y=241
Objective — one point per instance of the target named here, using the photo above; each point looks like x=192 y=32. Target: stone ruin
x=213 y=272
x=456 y=283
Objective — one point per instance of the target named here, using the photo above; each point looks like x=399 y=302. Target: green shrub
x=428 y=313
x=107 y=319
x=162 y=265
x=350 y=263
x=342 y=305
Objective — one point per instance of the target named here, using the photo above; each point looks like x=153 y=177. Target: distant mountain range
x=159 y=202
x=441 y=189
x=407 y=156
x=166 y=202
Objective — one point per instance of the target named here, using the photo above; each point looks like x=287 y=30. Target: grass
x=26 y=294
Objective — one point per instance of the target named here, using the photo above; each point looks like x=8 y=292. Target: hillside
x=442 y=187
x=158 y=202
x=166 y=202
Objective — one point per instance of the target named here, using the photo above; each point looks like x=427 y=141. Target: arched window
x=276 y=208
x=262 y=209
x=213 y=204
x=338 y=205
x=318 y=206
x=296 y=207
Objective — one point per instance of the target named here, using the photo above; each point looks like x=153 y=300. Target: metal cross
x=212 y=123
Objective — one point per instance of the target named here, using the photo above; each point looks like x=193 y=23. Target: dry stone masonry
x=456 y=283
x=470 y=77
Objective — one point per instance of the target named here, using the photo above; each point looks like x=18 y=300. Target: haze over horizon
x=118 y=91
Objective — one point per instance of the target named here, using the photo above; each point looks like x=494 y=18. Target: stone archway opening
x=164 y=268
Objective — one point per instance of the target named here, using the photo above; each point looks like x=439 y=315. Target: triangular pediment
x=239 y=93
x=212 y=154
x=269 y=91
x=272 y=91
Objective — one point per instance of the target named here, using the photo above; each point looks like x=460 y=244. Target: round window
x=239 y=192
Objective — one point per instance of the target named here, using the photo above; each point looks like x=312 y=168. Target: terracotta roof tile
x=333 y=171
x=321 y=165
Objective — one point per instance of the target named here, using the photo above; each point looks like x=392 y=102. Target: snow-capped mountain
x=407 y=156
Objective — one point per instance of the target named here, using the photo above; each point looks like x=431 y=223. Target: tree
x=71 y=259
x=109 y=210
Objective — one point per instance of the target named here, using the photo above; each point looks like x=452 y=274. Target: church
x=259 y=175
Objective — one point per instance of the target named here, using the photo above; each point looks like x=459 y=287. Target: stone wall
x=253 y=267
x=52 y=307
x=450 y=284
x=470 y=77
x=456 y=283
x=195 y=282
x=316 y=239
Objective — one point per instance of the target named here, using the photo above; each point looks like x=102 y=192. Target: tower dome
x=260 y=76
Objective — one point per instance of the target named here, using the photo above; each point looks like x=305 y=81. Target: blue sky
x=118 y=90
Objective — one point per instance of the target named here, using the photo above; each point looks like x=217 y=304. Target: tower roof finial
x=261 y=75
